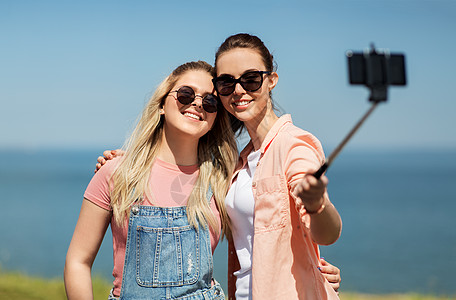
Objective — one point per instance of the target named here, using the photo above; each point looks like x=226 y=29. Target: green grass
x=409 y=296
x=16 y=286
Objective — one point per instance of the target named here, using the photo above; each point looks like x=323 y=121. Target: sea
x=398 y=210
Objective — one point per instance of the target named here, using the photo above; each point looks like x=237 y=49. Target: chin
x=244 y=116
x=191 y=132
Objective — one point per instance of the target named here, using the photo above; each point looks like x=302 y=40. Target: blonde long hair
x=217 y=155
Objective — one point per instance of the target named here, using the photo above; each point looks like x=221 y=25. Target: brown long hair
x=245 y=40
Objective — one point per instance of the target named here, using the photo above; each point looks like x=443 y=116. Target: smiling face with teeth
x=250 y=107
x=189 y=121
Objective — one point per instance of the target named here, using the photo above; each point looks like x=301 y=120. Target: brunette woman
x=279 y=211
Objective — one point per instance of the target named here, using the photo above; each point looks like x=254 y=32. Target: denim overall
x=166 y=257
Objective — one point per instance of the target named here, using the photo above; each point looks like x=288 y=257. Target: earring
x=162 y=111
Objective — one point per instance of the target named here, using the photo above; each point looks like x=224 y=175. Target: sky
x=77 y=74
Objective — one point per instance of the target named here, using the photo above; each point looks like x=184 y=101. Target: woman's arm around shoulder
x=107 y=155
x=331 y=273
x=87 y=237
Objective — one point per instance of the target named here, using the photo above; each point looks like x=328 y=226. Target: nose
x=238 y=89
x=198 y=101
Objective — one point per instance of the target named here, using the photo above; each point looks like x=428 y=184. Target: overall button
x=135 y=210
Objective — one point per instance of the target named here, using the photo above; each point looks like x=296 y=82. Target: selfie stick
x=336 y=151
x=376 y=71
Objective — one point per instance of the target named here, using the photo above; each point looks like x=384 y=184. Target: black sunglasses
x=250 y=81
x=186 y=95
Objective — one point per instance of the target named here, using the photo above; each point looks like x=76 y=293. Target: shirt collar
x=272 y=133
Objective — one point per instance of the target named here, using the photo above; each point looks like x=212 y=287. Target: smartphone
x=374 y=69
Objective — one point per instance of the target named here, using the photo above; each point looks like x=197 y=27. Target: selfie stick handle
x=333 y=155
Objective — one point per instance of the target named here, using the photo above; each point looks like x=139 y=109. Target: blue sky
x=76 y=74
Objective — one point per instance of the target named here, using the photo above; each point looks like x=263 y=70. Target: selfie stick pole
x=333 y=155
x=376 y=71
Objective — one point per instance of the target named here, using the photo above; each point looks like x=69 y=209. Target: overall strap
x=209 y=194
x=139 y=200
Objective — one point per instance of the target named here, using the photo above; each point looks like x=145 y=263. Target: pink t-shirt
x=170 y=186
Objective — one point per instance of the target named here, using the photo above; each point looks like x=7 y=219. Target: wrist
x=317 y=209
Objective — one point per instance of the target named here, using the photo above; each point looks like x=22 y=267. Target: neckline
x=185 y=169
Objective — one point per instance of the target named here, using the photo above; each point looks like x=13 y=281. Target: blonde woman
x=163 y=198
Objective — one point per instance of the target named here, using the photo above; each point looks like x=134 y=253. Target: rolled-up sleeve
x=305 y=155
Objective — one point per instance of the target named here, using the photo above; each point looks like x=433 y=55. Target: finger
x=326 y=264
x=311 y=179
x=304 y=184
x=332 y=278
x=329 y=270
x=319 y=183
x=335 y=286
x=119 y=152
x=324 y=180
x=107 y=154
x=101 y=159
x=331 y=275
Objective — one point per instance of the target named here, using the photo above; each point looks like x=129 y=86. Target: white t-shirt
x=240 y=207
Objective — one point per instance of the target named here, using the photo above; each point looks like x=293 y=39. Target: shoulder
x=291 y=137
x=103 y=177
x=108 y=169
x=99 y=189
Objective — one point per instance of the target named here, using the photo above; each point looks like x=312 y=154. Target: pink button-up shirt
x=284 y=256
